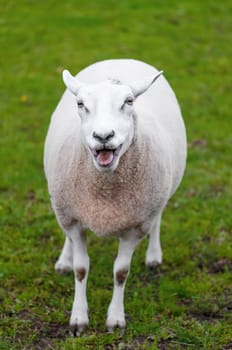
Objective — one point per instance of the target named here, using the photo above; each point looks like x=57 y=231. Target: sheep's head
x=106 y=110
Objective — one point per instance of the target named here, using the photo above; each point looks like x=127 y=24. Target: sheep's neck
x=111 y=202
x=128 y=168
x=107 y=202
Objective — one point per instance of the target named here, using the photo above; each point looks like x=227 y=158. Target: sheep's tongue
x=105 y=157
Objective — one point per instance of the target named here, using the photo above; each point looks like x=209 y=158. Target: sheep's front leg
x=65 y=262
x=116 y=316
x=154 y=252
x=79 y=317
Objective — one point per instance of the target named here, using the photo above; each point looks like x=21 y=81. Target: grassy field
x=187 y=304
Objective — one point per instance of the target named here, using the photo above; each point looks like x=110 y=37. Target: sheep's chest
x=108 y=203
x=110 y=209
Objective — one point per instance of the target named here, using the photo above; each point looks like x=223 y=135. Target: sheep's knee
x=121 y=276
x=80 y=273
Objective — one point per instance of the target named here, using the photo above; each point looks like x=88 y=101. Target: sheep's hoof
x=112 y=329
x=116 y=321
x=62 y=269
x=153 y=266
x=77 y=329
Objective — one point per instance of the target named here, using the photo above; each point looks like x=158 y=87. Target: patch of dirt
x=4 y=189
x=30 y=196
x=49 y=332
x=209 y=310
x=164 y=344
x=45 y=332
x=169 y=344
x=221 y=265
x=121 y=346
x=137 y=343
x=148 y=274
x=198 y=143
x=204 y=316
x=214 y=267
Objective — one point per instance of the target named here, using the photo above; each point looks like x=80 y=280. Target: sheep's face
x=106 y=110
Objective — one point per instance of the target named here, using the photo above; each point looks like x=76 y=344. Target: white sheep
x=115 y=152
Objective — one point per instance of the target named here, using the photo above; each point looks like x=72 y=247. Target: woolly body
x=112 y=160
x=148 y=173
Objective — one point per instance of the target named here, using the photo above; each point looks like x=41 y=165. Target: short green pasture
x=187 y=304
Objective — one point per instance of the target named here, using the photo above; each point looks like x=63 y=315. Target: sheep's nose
x=104 y=137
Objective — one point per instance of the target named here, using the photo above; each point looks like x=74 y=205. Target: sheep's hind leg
x=65 y=262
x=116 y=316
x=154 y=252
x=79 y=317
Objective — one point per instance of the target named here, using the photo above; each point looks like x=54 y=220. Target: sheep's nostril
x=110 y=135
x=104 y=137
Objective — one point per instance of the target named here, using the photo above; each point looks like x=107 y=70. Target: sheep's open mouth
x=106 y=156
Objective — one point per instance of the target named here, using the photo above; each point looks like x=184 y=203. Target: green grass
x=188 y=303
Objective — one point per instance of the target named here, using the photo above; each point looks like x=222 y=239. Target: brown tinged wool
x=110 y=202
x=121 y=276
x=80 y=273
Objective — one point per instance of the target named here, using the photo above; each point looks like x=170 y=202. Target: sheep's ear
x=140 y=86
x=71 y=82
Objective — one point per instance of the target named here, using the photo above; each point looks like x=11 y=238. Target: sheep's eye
x=129 y=101
x=80 y=104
